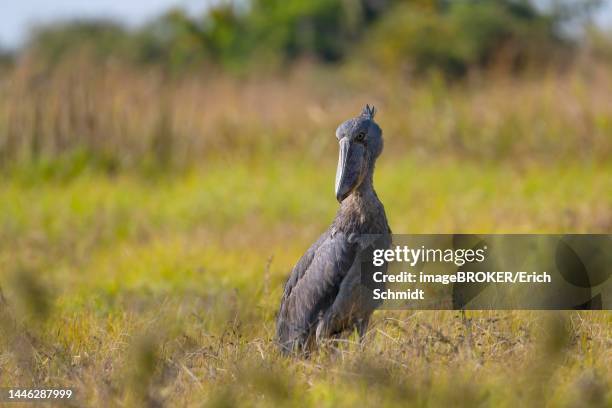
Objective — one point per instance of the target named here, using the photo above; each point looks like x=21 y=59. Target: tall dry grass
x=117 y=117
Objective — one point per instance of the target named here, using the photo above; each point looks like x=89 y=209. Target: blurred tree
x=415 y=35
x=7 y=59
x=99 y=38
x=174 y=40
x=225 y=33
x=318 y=28
x=453 y=36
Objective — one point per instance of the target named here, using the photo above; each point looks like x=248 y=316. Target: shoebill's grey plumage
x=324 y=295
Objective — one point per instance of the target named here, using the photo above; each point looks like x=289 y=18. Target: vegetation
x=153 y=199
x=129 y=290
x=85 y=117
x=450 y=36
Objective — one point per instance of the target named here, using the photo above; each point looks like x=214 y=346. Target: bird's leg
x=362 y=328
x=322 y=331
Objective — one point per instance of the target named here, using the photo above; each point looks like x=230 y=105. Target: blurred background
x=163 y=165
x=117 y=85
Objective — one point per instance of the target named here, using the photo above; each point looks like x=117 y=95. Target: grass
x=147 y=226
x=163 y=290
x=112 y=118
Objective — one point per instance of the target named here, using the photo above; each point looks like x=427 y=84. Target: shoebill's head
x=361 y=143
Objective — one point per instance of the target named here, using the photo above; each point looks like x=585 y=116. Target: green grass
x=164 y=289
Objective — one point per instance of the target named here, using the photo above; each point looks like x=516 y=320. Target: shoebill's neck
x=362 y=211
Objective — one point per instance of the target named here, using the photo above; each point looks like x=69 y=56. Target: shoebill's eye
x=360 y=136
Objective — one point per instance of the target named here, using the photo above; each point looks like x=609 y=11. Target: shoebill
x=325 y=295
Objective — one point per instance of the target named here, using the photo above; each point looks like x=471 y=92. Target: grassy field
x=163 y=290
x=114 y=119
x=147 y=225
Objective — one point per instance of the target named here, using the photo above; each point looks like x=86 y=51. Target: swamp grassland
x=147 y=225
